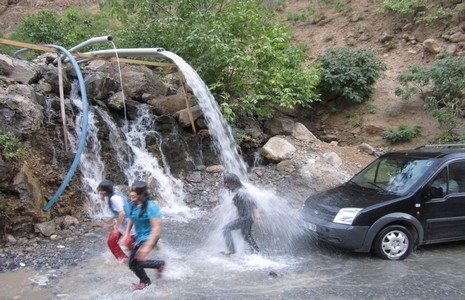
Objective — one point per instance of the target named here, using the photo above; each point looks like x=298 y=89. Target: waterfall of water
x=138 y=163
x=91 y=165
x=219 y=128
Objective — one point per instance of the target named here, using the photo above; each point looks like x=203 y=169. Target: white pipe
x=129 y=52
x=94 y=40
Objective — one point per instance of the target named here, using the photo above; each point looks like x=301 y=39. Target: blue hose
x=82 y=141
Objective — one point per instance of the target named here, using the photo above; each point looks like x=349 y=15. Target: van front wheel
x=394 y=242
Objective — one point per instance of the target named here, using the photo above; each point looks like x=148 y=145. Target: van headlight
x=346 y=215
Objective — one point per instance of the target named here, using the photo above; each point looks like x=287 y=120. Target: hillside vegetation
x=344 y=88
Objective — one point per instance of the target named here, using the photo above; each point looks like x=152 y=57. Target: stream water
x=195 y=270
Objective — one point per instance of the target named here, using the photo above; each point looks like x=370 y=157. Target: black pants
x=138 y=266
x=245 y=225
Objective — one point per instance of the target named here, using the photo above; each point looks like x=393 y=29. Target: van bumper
x=340 y=235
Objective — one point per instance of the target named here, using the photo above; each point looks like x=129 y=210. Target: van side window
x=457 y=172
x=446 y=180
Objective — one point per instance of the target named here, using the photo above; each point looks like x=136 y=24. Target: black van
x=401 y=200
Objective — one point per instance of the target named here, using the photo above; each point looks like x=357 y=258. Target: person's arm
x=117 y=204
x=119 y=221
x=151 y=241
x=127 y=233
x=216 y=208
x=256 y=216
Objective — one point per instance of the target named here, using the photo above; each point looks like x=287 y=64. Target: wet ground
x=196 y=270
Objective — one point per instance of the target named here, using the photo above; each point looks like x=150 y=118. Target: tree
x=442 y=85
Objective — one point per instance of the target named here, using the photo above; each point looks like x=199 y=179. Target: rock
x=329 y=138
x=10 y=239
x=277 y=149
x=183 y=116
x=286 y=166
x=273 y=274
x=215 y=169
x=333 y=159
x=139 y=80
x=300 y=132
x=457 y=37
x=194 y=177
x=66 y=221
x=6 y=65
x=431 y=46
x=99 y=85
x=29 y=189
x=24 y=71
x=45 y=228
x=386 y=37
x=366 y=149
x=168 y=105
x=21 y=113
x=278 y=126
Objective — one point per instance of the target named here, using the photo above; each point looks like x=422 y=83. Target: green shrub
x=349 y=75
x=403 y=133
x=421 y=11
x=65 y=29
x=372 y=109
x=11 y=147
x=442 y=85
x=5 y=49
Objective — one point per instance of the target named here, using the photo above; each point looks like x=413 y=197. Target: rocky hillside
x=354 y=24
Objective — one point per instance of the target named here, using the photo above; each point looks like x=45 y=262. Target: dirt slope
x=358 y=23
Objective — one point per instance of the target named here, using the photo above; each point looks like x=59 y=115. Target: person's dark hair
x=141 y=189
x=107 y=186
x=231 y=178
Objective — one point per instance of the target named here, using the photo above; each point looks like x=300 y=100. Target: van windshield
x=393 y=174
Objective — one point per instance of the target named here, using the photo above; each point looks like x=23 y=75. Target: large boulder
x=277 y=149
x=19 y=111
x=140 y=80
x=31 y=199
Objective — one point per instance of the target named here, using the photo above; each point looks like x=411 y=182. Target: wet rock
x=273 y=274
x=183 y=117
x=194 y=177
x=215 y=169
x=41 y=253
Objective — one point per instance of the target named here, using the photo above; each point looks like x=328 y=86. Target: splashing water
x=139 y=164
x=279 y=222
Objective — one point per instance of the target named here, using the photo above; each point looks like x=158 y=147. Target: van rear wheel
x=394 y=242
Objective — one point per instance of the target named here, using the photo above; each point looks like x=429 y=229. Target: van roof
x=434 y=150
